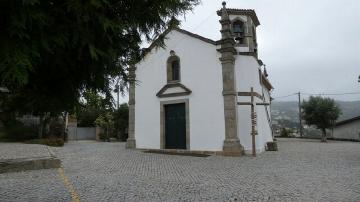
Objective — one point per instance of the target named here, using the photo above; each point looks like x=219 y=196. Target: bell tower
x=243 y=29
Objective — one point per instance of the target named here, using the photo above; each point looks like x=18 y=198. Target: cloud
x=309 y=46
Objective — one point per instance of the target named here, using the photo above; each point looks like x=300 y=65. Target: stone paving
x=19 y=150
x=37 y=185
x=303 y=170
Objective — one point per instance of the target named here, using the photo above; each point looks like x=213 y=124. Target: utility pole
x=300 y=119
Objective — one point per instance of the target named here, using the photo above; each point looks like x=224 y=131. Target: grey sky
x=311 y=46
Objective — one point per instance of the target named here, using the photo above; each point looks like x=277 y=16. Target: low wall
x=82 y=133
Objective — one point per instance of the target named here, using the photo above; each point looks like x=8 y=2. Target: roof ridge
x=348 y=120
x=205 y=39
x=183 y=31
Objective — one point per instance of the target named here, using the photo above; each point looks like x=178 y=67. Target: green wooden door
x=175 y=126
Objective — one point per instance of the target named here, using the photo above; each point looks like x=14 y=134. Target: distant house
x=347 y=129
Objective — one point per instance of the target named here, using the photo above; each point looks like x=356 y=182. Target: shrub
x=103 y=136
x=49 y=142
x=121 y=121
x=56 y=128
x=285 y=132
x=55 y=142
x=15 y=130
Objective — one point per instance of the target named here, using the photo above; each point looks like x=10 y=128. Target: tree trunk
x=323 y=137
x=41 y=126
x=107 y=134
x=44 y=125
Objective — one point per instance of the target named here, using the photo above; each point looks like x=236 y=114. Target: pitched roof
x=347 y=121
x=207 y=40
x=247 y=12
x=167 y=31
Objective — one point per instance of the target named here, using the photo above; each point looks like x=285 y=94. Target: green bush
x=54 y=142
x=56 y=129
x=103 y=136
x=15 y=130
x=121 y=122
x=49 y=142
x=285 y=132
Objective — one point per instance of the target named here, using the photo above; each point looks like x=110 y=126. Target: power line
x=333 y=94
x=285 y=96
x=350 y=93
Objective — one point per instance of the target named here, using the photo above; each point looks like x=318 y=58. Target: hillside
x=285 y=114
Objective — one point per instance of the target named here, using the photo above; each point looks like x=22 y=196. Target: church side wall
x=247 y=76
x=201 y=73
x=265 y=117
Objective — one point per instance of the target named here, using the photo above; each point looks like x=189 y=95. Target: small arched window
x=173 y=68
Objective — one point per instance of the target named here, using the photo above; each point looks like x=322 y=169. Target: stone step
x=23 y=164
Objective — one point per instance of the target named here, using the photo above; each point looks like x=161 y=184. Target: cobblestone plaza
x=302 y=170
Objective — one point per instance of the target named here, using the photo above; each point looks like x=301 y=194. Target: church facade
x=201 y=95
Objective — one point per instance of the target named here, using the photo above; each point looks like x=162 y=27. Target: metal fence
x=81 y=133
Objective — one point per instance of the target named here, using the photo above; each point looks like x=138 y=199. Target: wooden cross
x=253 y=115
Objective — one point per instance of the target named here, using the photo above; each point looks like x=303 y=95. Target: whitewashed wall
x=201 y=73
x=350 y=131
x=247 y=76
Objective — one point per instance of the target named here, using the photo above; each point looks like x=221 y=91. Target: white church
x=201 y=95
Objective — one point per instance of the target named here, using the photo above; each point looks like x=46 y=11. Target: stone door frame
x=162 y=121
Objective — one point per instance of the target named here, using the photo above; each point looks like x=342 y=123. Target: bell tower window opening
x=238 y=30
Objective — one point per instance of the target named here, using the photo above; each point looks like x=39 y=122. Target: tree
x=106 y=122
x=91 y=106
x=286 y=132
x=51 y=51
x=321 y=112
x=121 y=120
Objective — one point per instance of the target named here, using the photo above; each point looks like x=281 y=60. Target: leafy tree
x=91 y=106
x=286 y=132
x=106 y=122
x=321 y=112
x=51 y=51
x=121 y=120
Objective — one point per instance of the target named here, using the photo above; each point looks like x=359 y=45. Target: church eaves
x=155 y=42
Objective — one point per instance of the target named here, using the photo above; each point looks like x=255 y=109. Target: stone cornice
x=227 y=49
x=161 y=94
x=247 y=12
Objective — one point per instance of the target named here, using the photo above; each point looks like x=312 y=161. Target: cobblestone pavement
x=19 y=150
x=38 y=185
x=303 y=170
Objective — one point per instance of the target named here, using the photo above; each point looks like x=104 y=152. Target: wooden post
x=300 y=118
x=253 y=122
x=253 y=115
